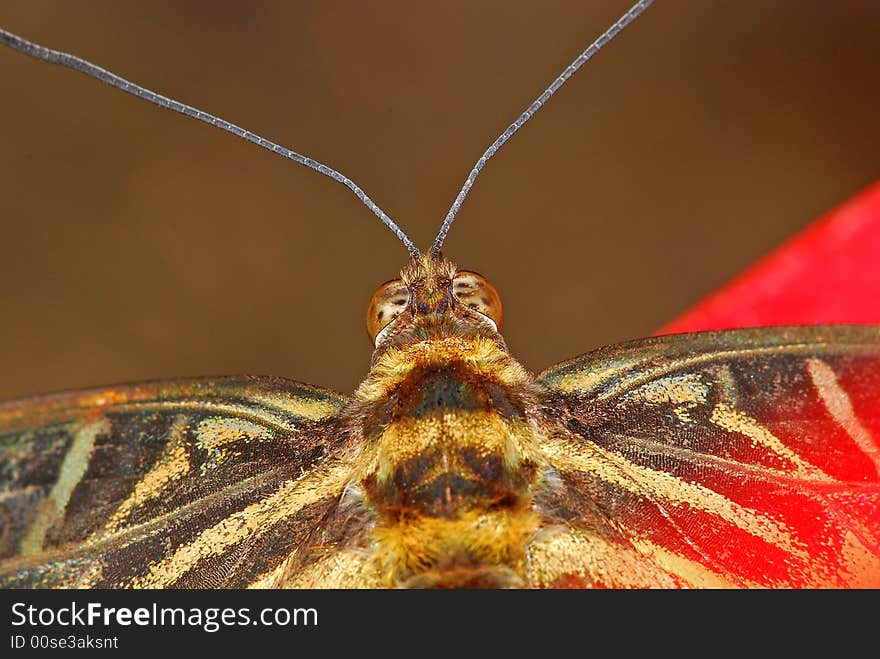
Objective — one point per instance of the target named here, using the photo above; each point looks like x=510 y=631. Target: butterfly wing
x=197 y=483
x=736 y=458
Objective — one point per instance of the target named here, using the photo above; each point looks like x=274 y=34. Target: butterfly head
x=431 y=299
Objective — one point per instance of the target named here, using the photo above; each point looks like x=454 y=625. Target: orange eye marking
x=387 y=303
x=474 y=291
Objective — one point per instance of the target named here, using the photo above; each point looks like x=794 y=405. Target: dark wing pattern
x=736 y=458
x=199 y=483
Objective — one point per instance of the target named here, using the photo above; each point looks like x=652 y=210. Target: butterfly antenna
x=83 y=66
x=581 y=59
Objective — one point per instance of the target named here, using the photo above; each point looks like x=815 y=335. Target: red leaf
x=828 y=273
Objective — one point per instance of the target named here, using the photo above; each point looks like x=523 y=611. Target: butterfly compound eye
x=474 y=291
x=387 y=303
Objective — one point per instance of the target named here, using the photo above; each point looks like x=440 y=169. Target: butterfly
x=743 y=458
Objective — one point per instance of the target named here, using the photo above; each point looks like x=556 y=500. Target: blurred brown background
x=140 y=244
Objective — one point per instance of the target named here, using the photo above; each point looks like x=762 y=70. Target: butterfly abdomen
x=450 y=466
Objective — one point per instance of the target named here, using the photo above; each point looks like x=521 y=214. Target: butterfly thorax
x=449 y=462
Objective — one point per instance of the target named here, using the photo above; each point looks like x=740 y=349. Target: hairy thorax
x=448 y=463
